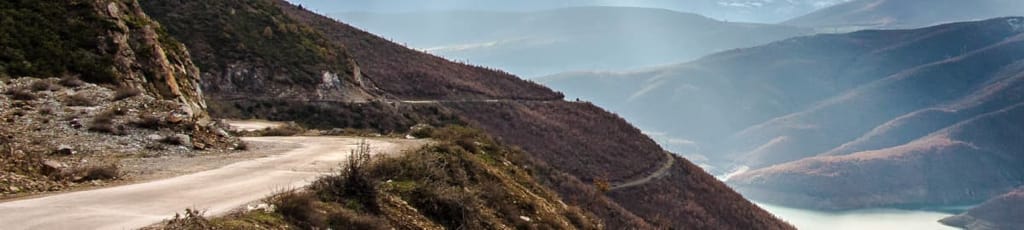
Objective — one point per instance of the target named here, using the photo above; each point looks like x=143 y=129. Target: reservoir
x=875 y=219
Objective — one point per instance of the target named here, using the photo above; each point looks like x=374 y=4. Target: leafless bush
x=42 y=85
x=21 y=94
x=191 y=220
x=80 y=99
x=104 y=123
x=71 y=81
x=126 y=92
x=148 y=121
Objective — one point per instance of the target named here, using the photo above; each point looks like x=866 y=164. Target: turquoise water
x=865 y=219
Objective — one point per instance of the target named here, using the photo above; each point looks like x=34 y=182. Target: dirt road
x=216 y=191
x=662 y=171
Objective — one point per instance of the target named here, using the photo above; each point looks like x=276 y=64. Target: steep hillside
x=418 y=87
x=1002 y=212
x=889 y=96
x=97 y=87
x=102 y=42
x=905 y=13
x=539 y=43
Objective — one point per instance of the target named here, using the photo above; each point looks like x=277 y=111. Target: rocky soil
x=59 y=134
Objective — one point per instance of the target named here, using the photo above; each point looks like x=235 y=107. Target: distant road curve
x=663 y=171
x=217 y=191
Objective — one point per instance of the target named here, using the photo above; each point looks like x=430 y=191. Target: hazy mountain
x=906 y=13
x=764 y=11
x=904 y=95
x=1002 y=212
x=552 y=41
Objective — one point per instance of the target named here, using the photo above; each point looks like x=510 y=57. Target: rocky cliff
x=108 y=42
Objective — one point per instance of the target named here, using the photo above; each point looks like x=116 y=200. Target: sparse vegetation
x=125 y=92
x=43 y=85
x=71 y=81
x=20 y=94
x=148 y=121
x=80 y=99
x=105 y=123
x=290 y=129
x=445 y=186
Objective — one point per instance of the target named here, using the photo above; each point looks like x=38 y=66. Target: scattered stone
x=52 y=166
x=154 y=137
x=75 y=123
x=175 y=118
x=199 y=145
x=184 y=140
x=64 y=150
x=222 y=133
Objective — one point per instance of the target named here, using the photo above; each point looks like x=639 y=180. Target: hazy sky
x=767 y=11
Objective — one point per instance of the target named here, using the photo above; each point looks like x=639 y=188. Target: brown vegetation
x=81 y=99
x=124 y=92
x=411 y=74
x=444 y=185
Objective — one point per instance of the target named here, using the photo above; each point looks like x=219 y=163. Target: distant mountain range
x=763 y=11
x=866 y=119
x=583 y=38
x=894 y=14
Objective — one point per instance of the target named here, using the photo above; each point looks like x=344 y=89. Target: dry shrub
x=80 y=99
x=302 y=208
x=191 y=220
x=290 y=129
x=104 y=123
x=298 y=207
x=353 y=185
x=91 y=172
x=126 y=92
x=42 y=85
x=20 y=94
x=148 y=121
x=71 y=81
x=99 y=172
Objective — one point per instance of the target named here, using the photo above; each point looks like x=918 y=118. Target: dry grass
x=71 y=81
x=43 y=85
x=148 y=121
x=126 y=92
x=20 y=94
x=80 y=99
x=105 y=123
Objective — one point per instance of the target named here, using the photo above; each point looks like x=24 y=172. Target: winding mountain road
x=216 y=191
x=663 y=171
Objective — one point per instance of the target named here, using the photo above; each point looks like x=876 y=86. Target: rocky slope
x=411 y=86
x=894 y=14
x=584 y=38
x=841 y=100
x=140 y=96
x=1002 y=212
